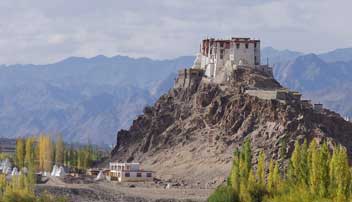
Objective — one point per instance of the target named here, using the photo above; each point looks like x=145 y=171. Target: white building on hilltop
x=128 y=172
x=218 y=57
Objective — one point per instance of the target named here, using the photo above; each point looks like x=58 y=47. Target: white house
x=219 y=57
x=128 y=172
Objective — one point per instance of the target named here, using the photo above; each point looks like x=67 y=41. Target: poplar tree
x=276 y=176
x=20 y=153
x=304 y=165
x=342 y=176
x=314 y=170
x=294 y=165
x=332 y=171
x=59 y=151
x=30 y=163
x=270 y=184
x=261 y=169
x=45 y=153
x=235 y=173
x=246 y=159
x=250 y=184
x=324 y=167
x=30 y=153
x=48 y=153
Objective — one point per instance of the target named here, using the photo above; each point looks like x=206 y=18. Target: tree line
x=314 y=173
x=42 y=152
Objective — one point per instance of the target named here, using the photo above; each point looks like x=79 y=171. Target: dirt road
x=105 y=191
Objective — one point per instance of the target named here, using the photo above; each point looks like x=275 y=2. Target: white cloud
x=41 y=31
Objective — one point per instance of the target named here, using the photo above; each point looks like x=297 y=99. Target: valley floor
x=105 y=191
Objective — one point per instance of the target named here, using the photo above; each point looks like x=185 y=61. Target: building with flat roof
x=128 y=172
x=219 y=57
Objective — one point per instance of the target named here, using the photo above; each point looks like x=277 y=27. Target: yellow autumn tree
x=59 y=150
x=45 y=152
x=20 y=153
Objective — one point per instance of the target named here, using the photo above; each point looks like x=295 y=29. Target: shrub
x=223 y=194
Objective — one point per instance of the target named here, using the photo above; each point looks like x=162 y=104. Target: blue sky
x=44 y=31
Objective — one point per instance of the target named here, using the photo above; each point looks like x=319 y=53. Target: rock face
x=190 y=133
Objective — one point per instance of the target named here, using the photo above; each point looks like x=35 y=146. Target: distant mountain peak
x=337 y=55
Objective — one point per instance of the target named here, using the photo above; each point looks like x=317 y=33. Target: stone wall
x=263 y=94
x=187 y=77
x=281 y=95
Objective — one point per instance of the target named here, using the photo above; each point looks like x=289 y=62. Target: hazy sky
x=43 y=31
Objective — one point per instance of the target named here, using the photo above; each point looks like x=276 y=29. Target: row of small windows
x=238 y=45
x=138 y=175
x=246 y=45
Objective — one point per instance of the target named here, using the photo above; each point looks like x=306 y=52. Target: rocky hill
x=190 y=133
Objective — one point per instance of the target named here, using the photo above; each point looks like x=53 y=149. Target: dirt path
x=105 y=191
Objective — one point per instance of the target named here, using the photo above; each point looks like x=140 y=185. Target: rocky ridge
x=190 y=133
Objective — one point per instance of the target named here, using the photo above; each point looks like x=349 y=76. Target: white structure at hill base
x=58 y=171
x=54 y=171
x=128 y=172
x=61 y=172
x=100 y=176
x=7 y=171
x=14 y=171
x=5 y=165
x=219 y=57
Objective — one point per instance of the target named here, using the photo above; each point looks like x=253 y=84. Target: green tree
x=304 y=164
x=314 y=173
x=223 y=194
x=324 y=170
x=294 y=165
x=235 y=173
x=246 y=159
x=276 y=176
x=261 y=169
x=270 y=182
x=342 y=175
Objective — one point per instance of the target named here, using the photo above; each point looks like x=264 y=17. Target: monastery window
x=127 y=174
x=139 y=174
x=247 y=45
x=149 y=174
x=237 y=45
x=222 y=54
x=255 y=44
x=221 y=44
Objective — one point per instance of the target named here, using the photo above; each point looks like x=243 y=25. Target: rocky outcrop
x=190 y=133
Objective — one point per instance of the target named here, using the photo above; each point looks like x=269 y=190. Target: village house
x=128 y=172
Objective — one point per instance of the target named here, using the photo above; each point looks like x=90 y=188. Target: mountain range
x=90 y=99
x=323 y=78
x=83 y=99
